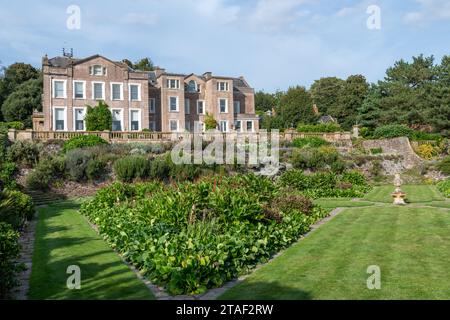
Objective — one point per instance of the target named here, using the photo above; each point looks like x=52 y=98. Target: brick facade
x=154 y=91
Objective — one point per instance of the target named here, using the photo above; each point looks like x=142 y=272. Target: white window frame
x=84 y=89
x=103 y=90
x=196 y=86
x=178 y=104
x=140 y=119
x=177 y=84
x=226 y=105
x=187 y=106
x=64 y=81
x=253 y=125
x=92 y=70
x=187 y=125
x=111 y=91
x=204 y=107
x=121 y=118
x=139 y=91
x=75 y=119
x=152 y=124
x=235 y=127
x=54 y=117
x=238 y=103
x=152 y=105
x=170 y=125
x=225 y=87
x=226 y=125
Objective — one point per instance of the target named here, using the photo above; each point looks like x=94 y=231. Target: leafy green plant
x=25 y=153
x=190 y=237
x=9 y=253
x=376 y=151
x=210 y=122
x=317 y=158
x=15 y=208
x=98 y=118
x=83 y=142
x=45 y=172
x=444 y=187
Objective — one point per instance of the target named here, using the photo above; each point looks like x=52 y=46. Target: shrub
x=15 y=208
x=420 y=136
x=210 y=122
x=9 y=253
x=95 y=169
x=7 y=172
x=48 y=169
x=313 y=142
x=293 y=202
x=365 y=132
x=444 y=165
x=18 y=125
x=76 y=163
x=322 y=127
x=392 y=131
x=98 y=118
x=426 y=151
x=83 y=142
x=444 y=187
x=315 y=158
x=25 y=153
x=132 y=167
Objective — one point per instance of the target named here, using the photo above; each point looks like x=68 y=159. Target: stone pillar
x=12 y=134
x=105 y=135
x=355 y=132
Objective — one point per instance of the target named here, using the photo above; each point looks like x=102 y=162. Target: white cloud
x=272 y=15
x=430 y=10
x=216 y=9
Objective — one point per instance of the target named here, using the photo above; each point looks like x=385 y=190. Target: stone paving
x=26 y=256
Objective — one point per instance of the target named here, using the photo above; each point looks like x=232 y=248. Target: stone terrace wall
x=397 y=146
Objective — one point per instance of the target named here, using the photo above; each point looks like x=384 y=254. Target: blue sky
x=273 y=43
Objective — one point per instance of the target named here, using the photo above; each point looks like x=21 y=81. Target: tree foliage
x=145 y=64
x=296 y=106
x=20 y=104
x=98 y=118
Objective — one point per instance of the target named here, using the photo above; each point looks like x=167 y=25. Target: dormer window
x=222 y=86
x=97 y=70
x=192 y=86
x=173 y=83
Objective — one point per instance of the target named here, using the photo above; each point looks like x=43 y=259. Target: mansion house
x=154 y=100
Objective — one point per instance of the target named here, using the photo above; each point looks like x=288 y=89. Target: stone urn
x=398 y=195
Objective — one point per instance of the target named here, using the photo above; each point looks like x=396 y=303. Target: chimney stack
x=159 y=71
x=207 y=75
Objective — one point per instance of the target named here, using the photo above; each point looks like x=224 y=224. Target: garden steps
x=44 y=198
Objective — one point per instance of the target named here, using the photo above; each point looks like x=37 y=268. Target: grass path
x=409 y=244
x=64 y=238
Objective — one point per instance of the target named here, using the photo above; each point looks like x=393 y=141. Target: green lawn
x=414 y=194
x=341 y=203
x=64 y=238
x=409 y=244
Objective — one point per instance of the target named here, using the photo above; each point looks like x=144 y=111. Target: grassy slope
x=408 y=243
x=63 y=238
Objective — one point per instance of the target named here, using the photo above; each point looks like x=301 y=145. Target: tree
x=350 y=100
x=325 y=93
x=265 y=101
x=145 y=64
x=296 y=107
x=14 y=76
x=98 y=118
x=20 y=104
